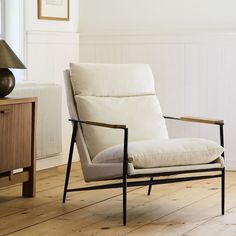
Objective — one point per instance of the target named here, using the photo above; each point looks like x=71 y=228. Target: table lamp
x=8 y=59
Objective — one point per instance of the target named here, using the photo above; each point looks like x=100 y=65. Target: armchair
x=120 y=133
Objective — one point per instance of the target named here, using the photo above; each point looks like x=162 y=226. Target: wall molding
x=54 y=161
x=156 y=37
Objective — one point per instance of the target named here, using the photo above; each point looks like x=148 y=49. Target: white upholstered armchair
x=120 y=132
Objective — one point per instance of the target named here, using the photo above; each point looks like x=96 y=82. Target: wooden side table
x=17 y=143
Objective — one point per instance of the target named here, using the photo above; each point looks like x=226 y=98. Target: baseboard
x=231 y=164
x=53 y=161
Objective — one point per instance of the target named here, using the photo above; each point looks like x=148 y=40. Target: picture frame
x=54 y=10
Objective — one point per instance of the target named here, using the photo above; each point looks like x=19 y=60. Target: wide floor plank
x=188 y=208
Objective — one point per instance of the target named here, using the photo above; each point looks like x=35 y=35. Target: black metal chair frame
x=125 y=183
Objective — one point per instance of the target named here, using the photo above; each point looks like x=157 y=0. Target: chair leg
x=124 y=200
x=223 y=192
x=125 y=173
x=150 y=187
x=72 y=142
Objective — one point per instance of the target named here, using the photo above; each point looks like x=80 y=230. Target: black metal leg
x=222 y=138
x=222 y=172
x=124 y=201
x=223 y=192
x=150 y=187
x=125 y=170
x=72 y=142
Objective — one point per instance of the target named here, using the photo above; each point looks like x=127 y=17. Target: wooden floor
x=191 y=208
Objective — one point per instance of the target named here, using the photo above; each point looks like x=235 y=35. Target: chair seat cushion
x=163 y=153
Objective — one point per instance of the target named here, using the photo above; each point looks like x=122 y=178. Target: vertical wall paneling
x=48 y=55
x=195 y=74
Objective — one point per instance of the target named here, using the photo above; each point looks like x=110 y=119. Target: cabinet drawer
x=15 y=136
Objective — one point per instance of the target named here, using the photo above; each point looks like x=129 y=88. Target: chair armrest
x=202 y=120
x=112 y=126
x=197 y=119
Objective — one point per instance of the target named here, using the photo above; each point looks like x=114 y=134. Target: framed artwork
x=54 y=9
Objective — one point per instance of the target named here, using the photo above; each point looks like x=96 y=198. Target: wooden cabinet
x=17 y=143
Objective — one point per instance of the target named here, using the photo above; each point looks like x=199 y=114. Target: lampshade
x=8 y=58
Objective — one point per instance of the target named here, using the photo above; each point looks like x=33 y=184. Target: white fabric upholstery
x=109 y=80
x=218 y=163
x=70 y=96
x=102 y=171
x=162 y=153
x=142 y=115
x=115 y=82
x=117 y=94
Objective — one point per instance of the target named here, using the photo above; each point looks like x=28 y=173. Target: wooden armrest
x=112 y=126
x=202 y=120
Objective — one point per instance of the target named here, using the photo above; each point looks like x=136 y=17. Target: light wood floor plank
x=188 y=209
x=88 y=216
x=187 y=218
x=107 y=214
x=193 y=194
x=152 y=209
x=47 y=205
x=219 y=225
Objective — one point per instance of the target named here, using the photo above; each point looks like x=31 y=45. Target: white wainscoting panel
x=195 y=75
x=48 y=54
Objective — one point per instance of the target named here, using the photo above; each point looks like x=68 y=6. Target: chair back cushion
x=109 y=80
x=117 y=94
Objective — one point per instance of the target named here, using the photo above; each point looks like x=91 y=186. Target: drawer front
x=15 y=136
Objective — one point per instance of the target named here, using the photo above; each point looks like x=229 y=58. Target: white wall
x=46 y=47
x=156 y=15
x=49 y=48
x=14 y=31
x=190 y=45
x=34 y=24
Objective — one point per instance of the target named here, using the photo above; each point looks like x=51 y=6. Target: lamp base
x=7 y=82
